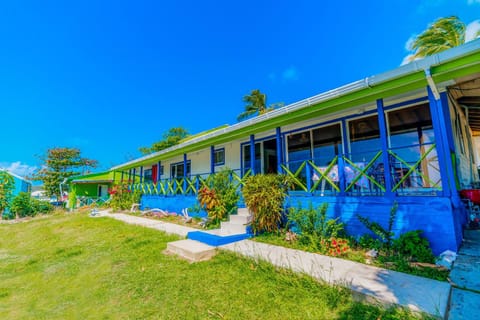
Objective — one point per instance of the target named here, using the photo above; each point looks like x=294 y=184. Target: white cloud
x=410 y=42
x=290 y=73
x=473 y=1
x=472 y=29
x=18 y=168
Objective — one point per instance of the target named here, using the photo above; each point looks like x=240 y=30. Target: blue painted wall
x=21 y=186
x=440 y=222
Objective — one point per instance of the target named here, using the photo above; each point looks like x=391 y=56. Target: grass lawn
x=76 y=267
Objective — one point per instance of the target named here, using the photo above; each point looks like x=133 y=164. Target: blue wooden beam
x=382 y=125
x=184 y=171
x=440 y=138
x=159 y=175
x=212 y=159
x=141 y=174
x=252 y=153
x=278 y=133
x=341 y=162
x=133 y=174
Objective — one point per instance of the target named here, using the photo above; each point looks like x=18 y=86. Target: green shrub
x=220 y=198
x=315 y=231
x=384 y=235
x=413 y=247
x=23 y=205
x=121 y=197
x=264 y=195
x=7 y=184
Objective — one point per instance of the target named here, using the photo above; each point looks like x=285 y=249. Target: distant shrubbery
x=122 y=198
x=23 y=205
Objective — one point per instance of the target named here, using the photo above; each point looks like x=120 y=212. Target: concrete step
x=232 y=228
x=243 y=212
x=191 y=250
x=240 y=219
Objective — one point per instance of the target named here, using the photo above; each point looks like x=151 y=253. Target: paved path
x=465 y=277
x=170 y=228
x=371 y=283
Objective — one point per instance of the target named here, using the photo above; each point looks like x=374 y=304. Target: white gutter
x=410 y=68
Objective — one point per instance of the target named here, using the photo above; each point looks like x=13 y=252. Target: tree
x=443 y=34
x=58 y=164
x=7 y=184
x=256 y=102
x=170 y=138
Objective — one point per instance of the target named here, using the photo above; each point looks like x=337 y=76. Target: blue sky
x=111 y=76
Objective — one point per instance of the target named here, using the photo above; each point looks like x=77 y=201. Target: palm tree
x=443 y=34
x=256 y=102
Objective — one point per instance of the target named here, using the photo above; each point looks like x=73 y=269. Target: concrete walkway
x=166 y=227
x=371 y=283
x=465 y=277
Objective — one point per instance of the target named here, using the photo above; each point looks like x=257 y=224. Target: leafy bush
x=316 y=231
x=264 y=195
x=384 y=235
x=414 y=247
x=221 y=198
x=122 y=198
x=7 y=184
x=23 y=205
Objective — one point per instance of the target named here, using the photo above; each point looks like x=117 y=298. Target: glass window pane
x=299 y=147
x=364 y=138
x=327 y=143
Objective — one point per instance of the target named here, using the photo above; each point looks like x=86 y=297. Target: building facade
x=404 y=137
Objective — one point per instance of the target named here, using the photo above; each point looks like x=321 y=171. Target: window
x=176 y=169
x=219 y=157
x=414 y=162
x=147 y=175
x=246 y=158
x=299 y=147
x=327 y=143
x=364 y=138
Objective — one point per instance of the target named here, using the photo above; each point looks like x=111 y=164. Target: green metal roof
x=106 y=176
x=447 y=65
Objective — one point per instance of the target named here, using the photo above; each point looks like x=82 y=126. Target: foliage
x=385 y=235
x=441 y=35
x=264 y=195
x=122 y=198
x=316 y=231
x=23 y=205
x=72 y=199
x=256 y=103
x=7 y=184
x=170 y=138
x=220 y=200
x=58 y=164
x=113 y=270
x=413 y=247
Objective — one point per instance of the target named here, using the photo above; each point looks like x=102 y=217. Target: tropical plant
x=441 y=35
x=264 y=195
x=170 y=138
x=221 y=198
x=23 y=205
x=256 y=103
x=121 y=197
x=7 y=184
x=58 y=164
x=316 y=231
x=413 y=247
x=384 y=235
